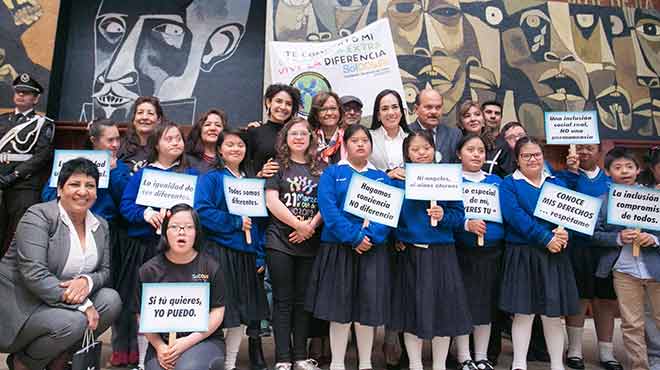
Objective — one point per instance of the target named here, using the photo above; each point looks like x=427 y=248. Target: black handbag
x=89 y=357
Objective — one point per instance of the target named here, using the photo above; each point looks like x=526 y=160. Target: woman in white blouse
x=55 y=272
x=388 y=129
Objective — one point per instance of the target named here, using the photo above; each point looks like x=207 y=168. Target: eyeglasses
x=529 y=156
x=329 y=109
x=298 y=133
x=177 y=228
x=352 y=109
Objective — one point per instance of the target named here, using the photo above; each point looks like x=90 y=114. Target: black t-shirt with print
x=297 y=188
x=202 y=269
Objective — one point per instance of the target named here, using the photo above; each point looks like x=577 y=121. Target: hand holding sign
x=481 y=203
x=636 y=208
x=373 y=201
x=101 y=159
x=165 y=189
x=567 y=208
x=434 y=182
x=247 y=198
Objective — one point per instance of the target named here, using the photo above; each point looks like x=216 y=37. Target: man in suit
x=428 y=107
x=25 y=152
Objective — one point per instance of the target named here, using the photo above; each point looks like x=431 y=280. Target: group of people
x=77 y=261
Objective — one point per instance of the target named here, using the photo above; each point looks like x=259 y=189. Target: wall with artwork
x=192 y=54
x=531 y=55
x=27 y=41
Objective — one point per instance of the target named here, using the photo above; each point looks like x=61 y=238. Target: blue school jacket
x=107 y=199
x=219 y=225
x=518 y=200
x=494 y=230
x=415 y=225
x=134 y=213
x=340 y=227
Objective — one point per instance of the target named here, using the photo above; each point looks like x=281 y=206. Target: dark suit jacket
x=29 y=272
x=446 y=140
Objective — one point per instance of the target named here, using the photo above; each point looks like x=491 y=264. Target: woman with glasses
x=538 y=277
x=326 y=117
x=181 y=261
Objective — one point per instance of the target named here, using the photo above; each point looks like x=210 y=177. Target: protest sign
x=571 y=127
x=482 y=202
x=164 y=189
x=361 y=64
x=568 y=208
x=373 y=200
x=174 y=307
x=434 y=181
x=101 y=159
x=634 y=207
x=245 y=197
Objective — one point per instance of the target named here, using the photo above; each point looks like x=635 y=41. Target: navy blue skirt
x=349 y=287
x=584 y=259
x=482 y=275
x=430 y=299
x=536 y=281
x=245 y=297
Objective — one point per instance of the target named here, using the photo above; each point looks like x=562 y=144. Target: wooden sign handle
x=480 y=240
x=365 y=223
x=635 y=245
x=434 y=222
x=248 y=236
x=572 y=149
x=171 y=339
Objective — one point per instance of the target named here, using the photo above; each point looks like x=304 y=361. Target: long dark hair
x=293 y=92
x=194 y=144
x=244 y=166
x=376 y=123
x=283 y=154
x=131 y=141
x=164 y=244
x=524 y=141
x=154 y=138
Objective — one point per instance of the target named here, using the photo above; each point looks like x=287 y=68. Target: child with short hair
x=634 y=277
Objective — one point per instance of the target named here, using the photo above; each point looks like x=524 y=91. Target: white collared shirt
x=517 y=175
x=591 y=174
x=369 y=165
x=478 y=176
x=16 y=111
x=80 y=261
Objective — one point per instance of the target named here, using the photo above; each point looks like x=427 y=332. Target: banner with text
x=482 y=202
x=245 y=197
x=373 y=200
x=564 y=128
x=434 y=181
x=568 y=208
x=164 y=189
x=361 y=64
x=634 y=207
x=101 y=159
x=174 y=307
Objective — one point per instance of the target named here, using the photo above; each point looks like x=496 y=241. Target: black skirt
x=536 y=281
x=349 y=287
x=482 y=275
x=584 y=259
x=245 y=297
x=132 y=253
x=430 y=299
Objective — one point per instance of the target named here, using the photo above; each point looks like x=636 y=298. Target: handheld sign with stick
x=434 y=222
x=570 y=128
x=434 y=182
x=246 y=198
x=481 y=201
x=634 y=207
x=374 y=201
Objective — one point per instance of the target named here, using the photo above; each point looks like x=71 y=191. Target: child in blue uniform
x=350 y=277
x=430 y=302
x=480 y=265
x=241 y=263
x=537 y=278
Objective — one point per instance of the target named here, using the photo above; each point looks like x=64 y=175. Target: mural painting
x=531 y=55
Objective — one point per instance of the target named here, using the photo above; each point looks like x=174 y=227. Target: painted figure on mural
x=159 y=48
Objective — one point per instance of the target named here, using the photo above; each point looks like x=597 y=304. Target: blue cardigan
x=219 y=225
x=518 y=200
x=134 y=213
x=415 y=224
x=494 y=231
x=341 y=227
x=107 y=199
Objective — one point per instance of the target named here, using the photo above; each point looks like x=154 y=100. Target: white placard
x=373 y=200
x=482 y=202
x=174 y=307
x=434 y=181
x=164 y=189
x=571 y=128
x=361 y=64
x=568 y=208
x=101 y=159
x=634 y=207
x=245 y=197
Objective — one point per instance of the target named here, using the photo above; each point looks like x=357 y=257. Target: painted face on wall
x=534 y=41
x=430 y=38
x=158 y=48
x=593 y=30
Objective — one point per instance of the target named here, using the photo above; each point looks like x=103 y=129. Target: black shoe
x=575 y=363
x=467 y=365
x=493 y=359
x=611 y=365
x=256 y=353
x=451 y=362
x=10 y=361
x=484 y=365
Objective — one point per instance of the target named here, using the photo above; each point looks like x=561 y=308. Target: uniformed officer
x=25 y=153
